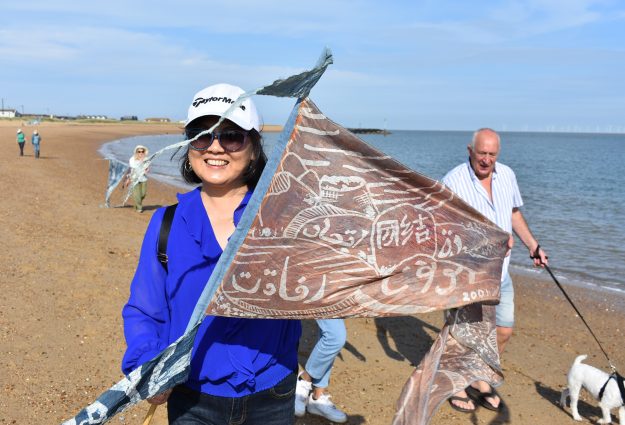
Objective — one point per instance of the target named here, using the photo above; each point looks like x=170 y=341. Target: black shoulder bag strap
x=163 y=234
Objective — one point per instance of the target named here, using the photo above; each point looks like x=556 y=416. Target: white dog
x=593 y=379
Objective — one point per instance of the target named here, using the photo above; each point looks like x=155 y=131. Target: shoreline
x=524 y=270
x=68 y=265
x=537 y=273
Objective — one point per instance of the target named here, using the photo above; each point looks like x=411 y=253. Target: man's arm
x=522 y=230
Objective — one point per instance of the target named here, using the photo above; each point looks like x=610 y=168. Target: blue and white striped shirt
x=506 y=195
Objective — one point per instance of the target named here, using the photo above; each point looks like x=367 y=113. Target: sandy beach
x=65 y=276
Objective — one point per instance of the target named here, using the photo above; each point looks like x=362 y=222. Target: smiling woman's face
x=215 y=166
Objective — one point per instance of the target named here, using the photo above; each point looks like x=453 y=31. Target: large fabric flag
x=347 y=231
x=337 y=229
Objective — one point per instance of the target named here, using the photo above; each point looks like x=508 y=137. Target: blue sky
x=444 y=65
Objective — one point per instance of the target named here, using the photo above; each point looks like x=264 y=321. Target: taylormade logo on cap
x=200 y=100
x=217 y=99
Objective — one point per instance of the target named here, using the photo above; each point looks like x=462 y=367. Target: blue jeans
x=332 y=337
x=274 y=406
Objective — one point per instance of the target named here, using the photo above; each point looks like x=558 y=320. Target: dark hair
x=250 y=176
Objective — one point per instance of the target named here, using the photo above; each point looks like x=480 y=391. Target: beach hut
x=8 y=113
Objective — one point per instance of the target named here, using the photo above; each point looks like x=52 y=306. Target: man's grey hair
x=478 y=131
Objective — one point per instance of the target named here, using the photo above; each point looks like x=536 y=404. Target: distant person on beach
x=242 y=370
x=491 y=188
x=138 y=173
x=21 y=140
x=36 y=140
x=311 y=394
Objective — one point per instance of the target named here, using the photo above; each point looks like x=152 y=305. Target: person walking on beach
x=491 y=188
x=21 y=140
x=138 y=173
x=242 y=370
x=36 y=140
x=311 y=393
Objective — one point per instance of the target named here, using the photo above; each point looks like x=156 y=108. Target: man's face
x=484 y=155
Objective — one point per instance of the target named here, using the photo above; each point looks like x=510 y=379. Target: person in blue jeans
x=311 y=394
x=36 y=140
x=243 y=371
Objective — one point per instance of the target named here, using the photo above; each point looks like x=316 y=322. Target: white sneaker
x=323 y=406
x=302 y=391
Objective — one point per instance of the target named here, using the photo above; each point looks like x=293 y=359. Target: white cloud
x=35 y=46
x=403 y=57
x=523 y=18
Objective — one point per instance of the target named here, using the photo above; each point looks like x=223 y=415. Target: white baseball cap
x=216 y=99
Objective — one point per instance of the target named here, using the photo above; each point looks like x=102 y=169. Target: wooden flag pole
x=150 y=414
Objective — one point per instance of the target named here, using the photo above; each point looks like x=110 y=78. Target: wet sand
x=65 y=274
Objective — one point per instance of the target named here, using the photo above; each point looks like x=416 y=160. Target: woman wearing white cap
x=138 y=173
x=242 y=370
x=21 y=139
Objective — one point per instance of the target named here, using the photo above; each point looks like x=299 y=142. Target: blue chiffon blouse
x=231 y=357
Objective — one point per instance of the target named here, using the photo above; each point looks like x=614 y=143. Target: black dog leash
x=536 y=255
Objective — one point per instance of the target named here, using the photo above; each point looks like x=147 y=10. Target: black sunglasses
x=230 y=140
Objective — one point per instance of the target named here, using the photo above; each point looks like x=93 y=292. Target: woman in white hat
x=138 y=173
x=243 y=371
x=21 y=140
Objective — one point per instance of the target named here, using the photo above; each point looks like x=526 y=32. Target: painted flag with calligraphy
x=335 y=228
x=347 y=231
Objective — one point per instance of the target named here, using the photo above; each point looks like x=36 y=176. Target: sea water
x=573 y=189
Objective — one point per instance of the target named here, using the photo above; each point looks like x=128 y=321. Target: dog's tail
x=579 y=359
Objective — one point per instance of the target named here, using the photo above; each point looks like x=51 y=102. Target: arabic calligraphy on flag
x=346 y=231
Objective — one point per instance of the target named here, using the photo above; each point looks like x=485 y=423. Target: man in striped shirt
x=491 y=188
